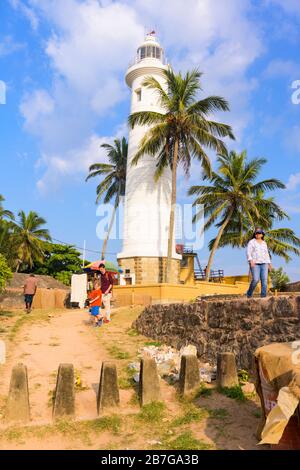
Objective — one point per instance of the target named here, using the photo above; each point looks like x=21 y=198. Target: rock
x=189 y=350
x=134 y=366
x=64 y=401
x=17 y=409
x=248 y=388
x=136 y=377
x=149 y=386
x=189 y=377
x=226 y=370
x=154 y=443
x=108 y=393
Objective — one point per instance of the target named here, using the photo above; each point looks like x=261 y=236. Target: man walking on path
x=106 y=288
x=30 y=287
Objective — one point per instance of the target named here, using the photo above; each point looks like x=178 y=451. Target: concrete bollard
x=18 y=409
x=189 y=376
x=226 y=370
x=64 y=400
x=149 y=386
x=108 y=393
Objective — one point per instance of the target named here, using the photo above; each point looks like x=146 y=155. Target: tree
x=28 y=237
x=279 y=279
x=5 y=273
x=60 y=262
x=114 y=183
x=181 y=132
x=235 y=196
x=5 y=214
x=281 y=241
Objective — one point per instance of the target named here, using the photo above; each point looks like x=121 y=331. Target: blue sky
x=64 y=61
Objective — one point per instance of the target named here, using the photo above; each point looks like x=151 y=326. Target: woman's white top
x=258 y=252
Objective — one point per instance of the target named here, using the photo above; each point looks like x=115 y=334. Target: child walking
x=95 y=300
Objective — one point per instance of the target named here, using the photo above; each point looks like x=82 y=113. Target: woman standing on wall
x=260 y=262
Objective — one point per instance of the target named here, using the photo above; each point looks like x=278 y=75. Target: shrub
x=5 y=273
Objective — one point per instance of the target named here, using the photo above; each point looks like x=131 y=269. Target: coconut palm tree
x=234 y=196
x=28 y=238
x=181 y=132
x=5 y=214
x=281 y=241
x=113 y=185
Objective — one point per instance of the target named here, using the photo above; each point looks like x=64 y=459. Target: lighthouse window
x=138 y=94
x=142 y=52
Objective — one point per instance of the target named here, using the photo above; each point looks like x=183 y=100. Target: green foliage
x=187 y=441
x=5 y=272
x=152 y=413
x=192 y=414
x=243 y=376
x=60 y=261
x=279 y=279
x=234 y=201
x=203 y=391
x=235 y=393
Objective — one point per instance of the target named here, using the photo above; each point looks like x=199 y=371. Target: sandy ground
x=67 y=337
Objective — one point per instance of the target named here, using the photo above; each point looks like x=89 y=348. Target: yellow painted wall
x=175 y=292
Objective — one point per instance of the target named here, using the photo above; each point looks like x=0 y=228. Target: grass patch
x=257 y=414
x=153 y=343
x=5 y=313
x=218 y=413
x=236 y=393
x=132 y=332
x=203 y=391
x=107 y=423
x=152 y=413
x=192 y=414
x=186 y=441
x=117 y=353
x=126 y=378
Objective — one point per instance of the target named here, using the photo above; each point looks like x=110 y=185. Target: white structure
x=147 y=203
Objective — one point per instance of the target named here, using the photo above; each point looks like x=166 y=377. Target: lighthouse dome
x=150 y=49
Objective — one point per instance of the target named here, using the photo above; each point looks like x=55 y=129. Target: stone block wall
x=239 y=326
x=151 y=270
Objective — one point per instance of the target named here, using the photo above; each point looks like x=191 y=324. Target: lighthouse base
x=147 y=270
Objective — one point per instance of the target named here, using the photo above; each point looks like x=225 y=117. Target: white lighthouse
x=147 y=203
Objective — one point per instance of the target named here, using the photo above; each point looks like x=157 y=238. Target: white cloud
x=35 y=106
x=92 y=42
x=27 y=12
x=282 y=68
x=293 y=182
x=76 y=161
x=9 y=46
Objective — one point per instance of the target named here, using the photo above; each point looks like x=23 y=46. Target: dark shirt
x=106 y=281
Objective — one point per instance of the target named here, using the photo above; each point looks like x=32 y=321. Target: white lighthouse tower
x=147 y=203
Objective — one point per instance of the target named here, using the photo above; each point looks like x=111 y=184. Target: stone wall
x=239 y=326
x=150 y=270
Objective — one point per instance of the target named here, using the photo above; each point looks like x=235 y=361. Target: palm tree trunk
x=216 y=244
x=109 y=229
x=172 y=212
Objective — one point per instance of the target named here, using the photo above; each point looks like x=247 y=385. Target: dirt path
x=66 y=338
x=43 y=342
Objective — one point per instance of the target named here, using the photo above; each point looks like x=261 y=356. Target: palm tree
x=3 y=212
x=115 y=180
x=281 y=241
x=234 y=195
x=181 y=132
x=28 y=237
